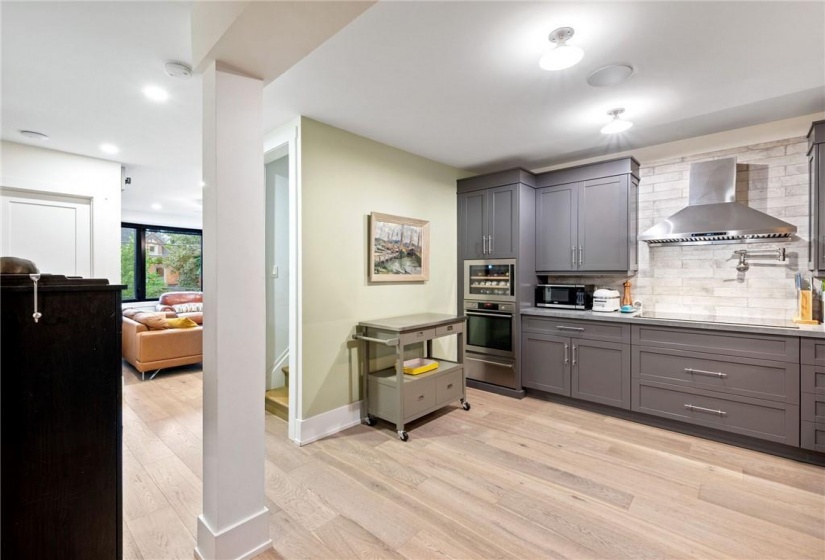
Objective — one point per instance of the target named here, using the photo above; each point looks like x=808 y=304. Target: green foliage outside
x=183 y=255
x=127 y=267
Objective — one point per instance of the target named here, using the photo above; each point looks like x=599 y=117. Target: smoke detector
x=176 y=69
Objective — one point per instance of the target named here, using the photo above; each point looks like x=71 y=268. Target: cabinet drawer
x=812 y=436
x=813 y=408
x=418 y=397
x=813 y=379
x=766 y=347
x=417 y=336
x=762 y=379
x=592 y=330
x=768 y=420
x=449 y=387
x=813 y=351
x=445 y=330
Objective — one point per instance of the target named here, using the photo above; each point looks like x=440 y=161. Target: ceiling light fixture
x=617 y=124
x=31 y=134
x=176 y=69
x=612 y=75
x=156 y=93
x=109 y=148
x=562 y=55
x=156 y=206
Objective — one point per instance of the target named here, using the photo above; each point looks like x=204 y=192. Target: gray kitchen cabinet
x=488 y=223
x=812 y=413
x=741 y=383
x=586 y=219
x=576 y=365
x=816 y=191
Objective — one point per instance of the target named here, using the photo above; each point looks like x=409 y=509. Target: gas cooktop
x=731 y=320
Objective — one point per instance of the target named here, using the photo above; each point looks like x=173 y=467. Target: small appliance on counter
x=606 y=300
x=565 y=296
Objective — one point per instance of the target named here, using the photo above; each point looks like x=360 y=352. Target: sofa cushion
x=181 y=323
x=153 y=320
x=194 y=307
x=174 y=298
x=197 y=317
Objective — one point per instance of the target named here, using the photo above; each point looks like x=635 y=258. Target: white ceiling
x=457 y=82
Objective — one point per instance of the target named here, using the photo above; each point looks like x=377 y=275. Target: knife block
x=805 y=308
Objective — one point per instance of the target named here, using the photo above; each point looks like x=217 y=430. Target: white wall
x=159 y=219
x=344 y=178
x=277 y=253
x=47 y=171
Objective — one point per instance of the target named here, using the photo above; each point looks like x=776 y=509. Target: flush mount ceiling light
x=31 y=134
x=176 y=69
x=611 y=75
x=617 y=124
x=156 y=206
x=109 y=148
x=562 y=55
x=156 y=93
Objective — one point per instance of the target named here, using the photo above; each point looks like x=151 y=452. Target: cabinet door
x=603 y=231
x=817 y=186
x=503 y=225
x=601 y=372
x=546 y=363
x=472 y=217
x=556 y=241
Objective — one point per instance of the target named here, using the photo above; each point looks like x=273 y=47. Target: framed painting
x=399 y=249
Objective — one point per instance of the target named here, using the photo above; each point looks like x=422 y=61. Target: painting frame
x=414 y=232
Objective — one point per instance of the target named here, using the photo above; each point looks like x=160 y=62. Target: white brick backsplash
x=772 y=177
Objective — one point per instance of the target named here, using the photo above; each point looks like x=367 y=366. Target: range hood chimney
x=713 y=216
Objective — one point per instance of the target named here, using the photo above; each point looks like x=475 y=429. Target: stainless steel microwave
x=565 y=296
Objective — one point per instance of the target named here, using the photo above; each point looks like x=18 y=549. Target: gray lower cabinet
x=812 y=413
x=586 y=219
x=575 y=366
x=742 y=383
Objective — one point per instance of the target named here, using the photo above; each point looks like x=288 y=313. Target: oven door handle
x=496 y=315
x=509 y=366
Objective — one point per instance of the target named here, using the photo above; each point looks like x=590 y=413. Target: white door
x=54 y=232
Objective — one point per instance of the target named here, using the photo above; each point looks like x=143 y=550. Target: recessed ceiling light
x=34 y=135
x=156 y=206
x=617 y=124
x=203 y=183
x=611 y=75
x=563 y=55
x=109 y=148
x=176 y=69
x=156 y=93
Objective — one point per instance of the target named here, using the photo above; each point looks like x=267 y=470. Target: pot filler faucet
x=744 y=254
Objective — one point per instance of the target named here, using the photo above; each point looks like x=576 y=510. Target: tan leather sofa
x=153 y=350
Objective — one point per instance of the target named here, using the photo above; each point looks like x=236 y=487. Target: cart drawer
x=768 y=420
x=446 y=330
x=418 y=397
x=417 y=336
x=449 y=387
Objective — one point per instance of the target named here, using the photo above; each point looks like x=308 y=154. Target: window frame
x=141 y=254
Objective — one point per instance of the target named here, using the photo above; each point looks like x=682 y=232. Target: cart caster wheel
x=403 y=436
x=369 y=420
x=465 y=405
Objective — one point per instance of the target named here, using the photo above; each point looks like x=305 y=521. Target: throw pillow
x=193 y=307
x=155 y=321
x=181 y=323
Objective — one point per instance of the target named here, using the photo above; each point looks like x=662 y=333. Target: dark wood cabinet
x=586 y=219
x=816 y=191
x=60 y=419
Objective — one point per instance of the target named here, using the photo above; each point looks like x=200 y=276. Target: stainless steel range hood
x=712 y=215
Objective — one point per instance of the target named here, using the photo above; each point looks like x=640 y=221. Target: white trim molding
x=328 y=423
x=233 y=542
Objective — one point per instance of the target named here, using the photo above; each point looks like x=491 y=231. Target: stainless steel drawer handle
x=573 y=256
x=491 y=245
x=563 y=328
x=703 y=372
x=566 y=350
x=450 y=328
x=574 y=354
x=450 y=386
x=580 y=255
x=708 y=410
x=421 y=397
x=36 y=315
x=508 y=366
x=484 y=244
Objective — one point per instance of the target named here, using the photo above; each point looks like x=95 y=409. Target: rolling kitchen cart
x=392 y=395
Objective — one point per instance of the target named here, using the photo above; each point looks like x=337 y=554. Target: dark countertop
x=803 y=331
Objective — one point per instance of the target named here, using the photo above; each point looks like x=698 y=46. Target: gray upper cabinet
x=586 y=219
x=816 y=185
x=488 y=222
x=556 y=238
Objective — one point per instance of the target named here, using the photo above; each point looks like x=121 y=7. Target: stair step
x=277 y=402
x=285 y=369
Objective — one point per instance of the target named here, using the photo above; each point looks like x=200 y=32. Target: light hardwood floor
x=508 y=479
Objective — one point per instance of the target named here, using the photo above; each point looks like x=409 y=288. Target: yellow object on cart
x=416 y=366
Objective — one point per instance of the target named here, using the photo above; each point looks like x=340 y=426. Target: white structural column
x=235 y=521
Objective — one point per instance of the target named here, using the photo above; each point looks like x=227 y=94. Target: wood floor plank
x=141 y=495
x=130 y=547
x=297 y=500
x=184 y=444
x=141 y=441
x=181 y=488
x=346 y=539
x=291 y=540
x=161 y=535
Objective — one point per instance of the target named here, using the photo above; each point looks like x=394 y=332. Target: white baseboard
x=242 y=541
x=327 y=423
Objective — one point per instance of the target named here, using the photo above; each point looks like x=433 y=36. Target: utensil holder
x=805 y=308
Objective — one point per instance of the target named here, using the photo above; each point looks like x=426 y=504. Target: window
x=155 y=260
